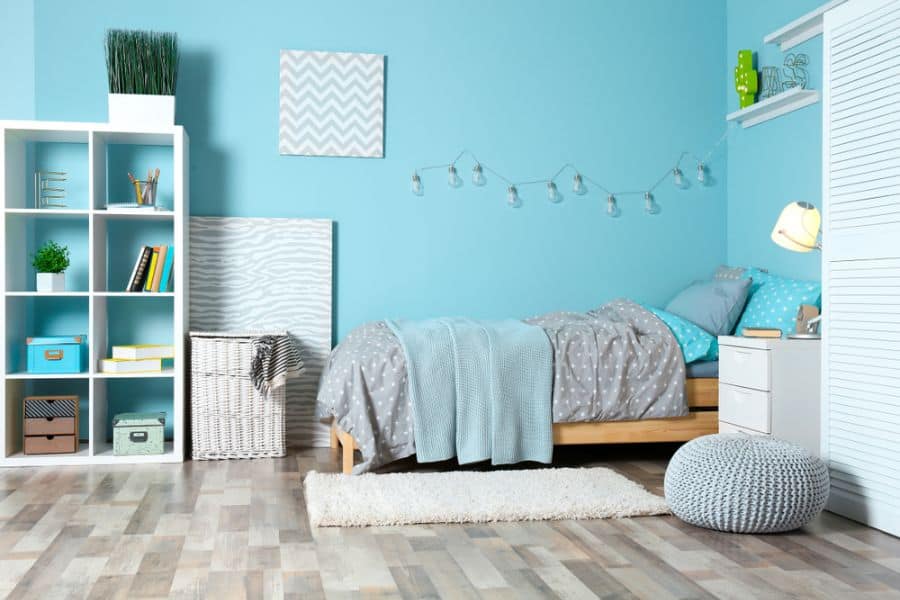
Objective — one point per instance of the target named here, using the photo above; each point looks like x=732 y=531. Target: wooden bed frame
x=703 y=402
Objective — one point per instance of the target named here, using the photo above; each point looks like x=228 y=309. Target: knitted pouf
x=745 y=484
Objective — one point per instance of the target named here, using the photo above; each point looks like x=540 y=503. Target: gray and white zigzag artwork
x=250 y=274
x=331 y=104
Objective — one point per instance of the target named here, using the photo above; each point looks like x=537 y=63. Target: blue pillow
x=696 y=344
x=714 y=305
x=776 y=302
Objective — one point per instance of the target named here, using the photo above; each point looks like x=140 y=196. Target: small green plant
x=51 y=258
x=141 y=62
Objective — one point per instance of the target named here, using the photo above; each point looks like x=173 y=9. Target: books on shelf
x=143 y=351
x=124 y=365
x=761 y=332
x=153 y=270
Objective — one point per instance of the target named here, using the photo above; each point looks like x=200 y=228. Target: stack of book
x=153 y=270
x=139 y=358
x=761 y=332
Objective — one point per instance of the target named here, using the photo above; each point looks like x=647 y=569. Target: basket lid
x=237 y=334
x=139 y=419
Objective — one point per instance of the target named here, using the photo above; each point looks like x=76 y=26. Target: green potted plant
x=142 y=68
x=51 y=262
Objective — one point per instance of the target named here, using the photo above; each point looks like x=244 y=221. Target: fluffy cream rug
x=475 y=497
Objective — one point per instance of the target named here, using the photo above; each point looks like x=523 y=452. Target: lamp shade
x=797 y=228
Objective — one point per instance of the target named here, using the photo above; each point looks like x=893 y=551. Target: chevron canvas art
x=331 y=104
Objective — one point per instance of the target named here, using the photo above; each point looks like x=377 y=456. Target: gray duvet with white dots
x=615 y=363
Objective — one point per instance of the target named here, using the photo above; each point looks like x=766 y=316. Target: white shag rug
x=475 y=497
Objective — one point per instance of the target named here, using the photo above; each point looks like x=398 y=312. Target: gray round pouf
x=745 y=484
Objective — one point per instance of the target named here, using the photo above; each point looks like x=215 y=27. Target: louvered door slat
x=861 y=260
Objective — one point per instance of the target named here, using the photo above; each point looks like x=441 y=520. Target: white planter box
x=51 y=282
x=141 y=111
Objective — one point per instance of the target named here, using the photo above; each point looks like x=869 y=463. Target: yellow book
x=148 y=285
x=146 y=365
x=142 y=351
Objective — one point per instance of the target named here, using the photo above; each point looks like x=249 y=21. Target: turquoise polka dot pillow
x=695 y=342
x=776 y=301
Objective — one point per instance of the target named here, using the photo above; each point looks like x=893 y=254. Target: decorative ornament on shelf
x=48 y=189
x=771 y=83
x=142 y=68
x=578 y=186
x=51 y=261
x=795 y=73
x=745 y=82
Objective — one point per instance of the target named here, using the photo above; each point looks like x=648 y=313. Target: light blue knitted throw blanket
x=479 y=390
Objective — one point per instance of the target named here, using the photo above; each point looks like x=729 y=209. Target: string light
x=578 y=180
x=578 y=185
x=478 y=175
x=512 y=197
x=612 y=209
x=553 y=193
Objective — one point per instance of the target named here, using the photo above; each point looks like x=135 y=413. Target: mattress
x=702 y=369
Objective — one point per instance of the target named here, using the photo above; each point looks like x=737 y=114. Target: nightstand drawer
x=729 y=428
x=745 y=367
x=744 y=407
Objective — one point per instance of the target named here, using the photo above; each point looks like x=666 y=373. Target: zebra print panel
x=269 y=274
x=50 y=408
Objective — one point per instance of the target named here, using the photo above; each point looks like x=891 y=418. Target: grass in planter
x=141 y=62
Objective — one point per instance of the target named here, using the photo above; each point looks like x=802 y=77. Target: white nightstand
x=770 y=387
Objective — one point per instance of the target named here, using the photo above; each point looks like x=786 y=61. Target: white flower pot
x=51 y=282
x=141 y=111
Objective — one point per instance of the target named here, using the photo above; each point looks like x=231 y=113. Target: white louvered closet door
x=861 y=260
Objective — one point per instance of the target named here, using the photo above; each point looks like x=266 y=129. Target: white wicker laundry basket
x=229 y=417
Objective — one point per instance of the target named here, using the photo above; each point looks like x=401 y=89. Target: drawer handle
x=49 y=419
x=53 y=354
x=50 y=437
x=138 y=437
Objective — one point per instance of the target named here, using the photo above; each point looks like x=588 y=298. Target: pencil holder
x=147 y=195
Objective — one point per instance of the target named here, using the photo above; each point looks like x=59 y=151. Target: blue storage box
x=61 y=354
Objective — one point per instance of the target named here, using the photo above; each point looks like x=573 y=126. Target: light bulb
x=578 y=185
x=649 y=206
x=416 y=184
x=676 y=174
x=512 y=197
x=453 y=179
x=612 y=209
x=701 y=172
x=478 y=175
x=553 y=193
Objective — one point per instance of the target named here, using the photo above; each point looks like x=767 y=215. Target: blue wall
x=17 y=62
x=778 y=161
x=619 y=88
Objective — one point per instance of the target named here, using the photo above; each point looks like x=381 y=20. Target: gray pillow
x=716 y=305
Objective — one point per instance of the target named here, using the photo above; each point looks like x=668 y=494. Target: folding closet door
x=861 y=261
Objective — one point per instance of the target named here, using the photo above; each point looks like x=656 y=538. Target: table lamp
x=797 y=228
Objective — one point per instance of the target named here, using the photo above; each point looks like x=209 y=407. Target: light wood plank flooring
x=238 y=529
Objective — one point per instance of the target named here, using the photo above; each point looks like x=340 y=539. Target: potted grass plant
x=51 y=261
x=142 y=67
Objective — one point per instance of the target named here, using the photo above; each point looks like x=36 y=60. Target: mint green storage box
x=138 y=433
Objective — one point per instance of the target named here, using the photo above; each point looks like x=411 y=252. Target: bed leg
x=347 y=449
x=333 y=442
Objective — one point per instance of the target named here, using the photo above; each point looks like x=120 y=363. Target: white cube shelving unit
x=95 y=285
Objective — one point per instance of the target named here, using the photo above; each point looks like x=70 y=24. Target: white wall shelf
x=801 y=29
x=101 y=308
x=781 y=104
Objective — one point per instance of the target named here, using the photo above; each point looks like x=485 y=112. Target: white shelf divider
x=780 y=104
x=801 y=29
x=14 y=181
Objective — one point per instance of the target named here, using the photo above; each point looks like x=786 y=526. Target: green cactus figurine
x=745 y=82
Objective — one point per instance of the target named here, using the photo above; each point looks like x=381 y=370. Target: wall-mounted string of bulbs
x=579 y=187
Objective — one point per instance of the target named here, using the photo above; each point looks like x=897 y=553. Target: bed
x=648 y=394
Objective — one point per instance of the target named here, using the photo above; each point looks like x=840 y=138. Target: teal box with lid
x=138 y=433
x=57 y=354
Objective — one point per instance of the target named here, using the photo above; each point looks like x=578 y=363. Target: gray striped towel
x=274 y=360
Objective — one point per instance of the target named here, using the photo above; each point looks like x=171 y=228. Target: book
x=157 y=273
x=148 y=283
x=134 y=271
x=165 y=282
x=121 y=365
x=142 y=351
x=137 y=279
x=761 y=332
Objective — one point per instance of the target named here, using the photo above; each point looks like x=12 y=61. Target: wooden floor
x=238 y=529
